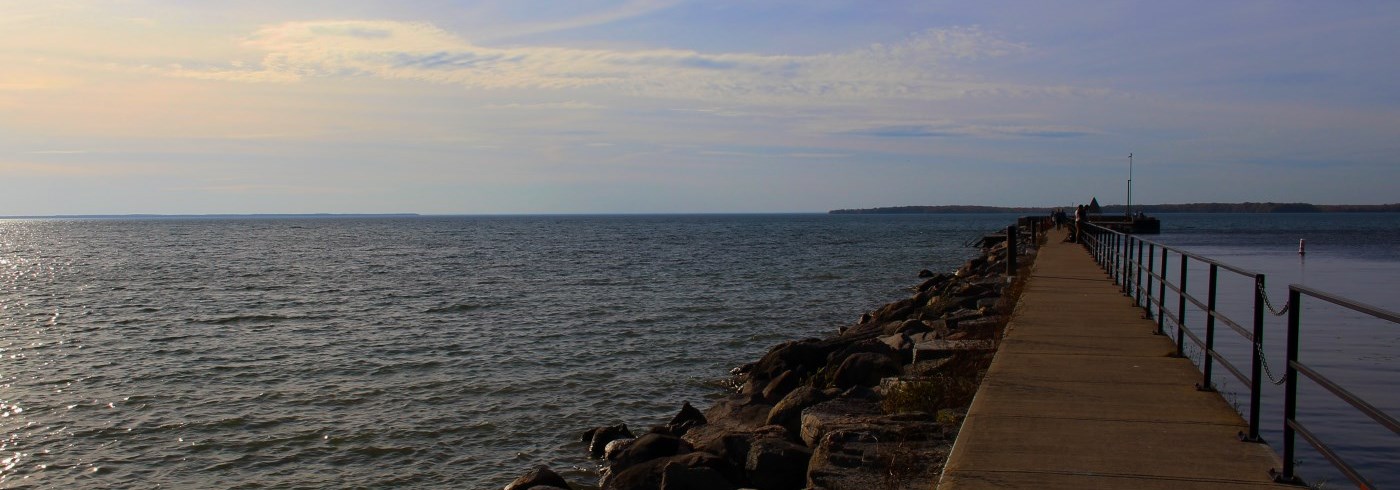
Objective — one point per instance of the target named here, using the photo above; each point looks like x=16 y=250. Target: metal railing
x=1122 y=256
x=1291 y=426
x=1115 y=251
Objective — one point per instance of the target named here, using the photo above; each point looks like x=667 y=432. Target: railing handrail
x=1200 y=258
x=1351 y=304
x=1113 y=250
x=1292 y=427
x=1110 y=261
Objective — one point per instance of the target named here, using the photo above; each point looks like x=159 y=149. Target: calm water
x=1356 y=256
x=407 y=352
x=458 y=352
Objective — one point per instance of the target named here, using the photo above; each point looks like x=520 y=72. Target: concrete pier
x=1082 y=394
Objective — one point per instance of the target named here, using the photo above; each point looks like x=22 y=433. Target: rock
x=855 y=459
x=935 y=349
x=896 y=311
x=733 y=446
x=788 y=411
x=651 y=475
x=598 y=438
x=642 y=476
x=688 y=417
x=799 y=356
x=615 y=448
x=932 y=283
x=865 y=369
x=739 y=412
x=780 y=386
x=860 y=393
x=824 y=417
x=676 y=476
x=646 y=448
x=873 y=345
x=925 y=273
x=912 y=327
x=777 y=464
x=540 y=477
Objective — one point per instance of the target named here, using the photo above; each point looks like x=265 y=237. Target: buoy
x=1302 y=246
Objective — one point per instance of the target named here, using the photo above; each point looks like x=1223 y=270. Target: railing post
x=1151 y=267
x=1290 y=390
x=1256 y=376
x=1206 y=384
x=1098 y=246
x=1128 y=264
x=1113 y=252
x=1181 y=310
x=1110 y=265
x=1011 y=251
x=1162 y=290
x=1137 y=283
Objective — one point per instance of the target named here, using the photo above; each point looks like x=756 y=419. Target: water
x=1356 y=256
x=408 y=352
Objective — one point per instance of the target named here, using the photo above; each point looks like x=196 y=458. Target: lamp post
x=1129 y=207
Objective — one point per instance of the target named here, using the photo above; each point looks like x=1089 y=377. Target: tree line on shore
x=1200 y=207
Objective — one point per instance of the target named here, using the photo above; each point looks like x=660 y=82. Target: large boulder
x=788 y=411
x=867 y=345
x=677 y=476
x=861 y=459
x=540 y=477
x=865 y=369
x=646 y=448
x=598 y=438
x=777 y=464
x=739 y=412
x=730 y=444
x=651 y=474
x=684 y=420
x=780 y=386
x=801 y=357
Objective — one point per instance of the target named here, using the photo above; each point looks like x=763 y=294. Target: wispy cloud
x=548 y=106
x=952 y=130
x=919 y=67
x=58 y=152
x=628 y=10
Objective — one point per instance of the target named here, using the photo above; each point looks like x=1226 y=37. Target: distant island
x=1200 y=207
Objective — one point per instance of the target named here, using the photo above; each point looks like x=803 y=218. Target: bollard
x=1011 y=251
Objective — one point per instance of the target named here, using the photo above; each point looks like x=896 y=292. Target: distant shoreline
x=1245 y=207
x=213 y=216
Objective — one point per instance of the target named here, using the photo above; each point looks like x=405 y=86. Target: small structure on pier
x=1136 y=223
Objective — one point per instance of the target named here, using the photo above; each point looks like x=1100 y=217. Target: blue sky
x=678 y=106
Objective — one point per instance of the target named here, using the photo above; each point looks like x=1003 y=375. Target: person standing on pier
x=1080 y=215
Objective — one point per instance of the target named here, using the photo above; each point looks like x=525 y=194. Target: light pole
x=1129 y=208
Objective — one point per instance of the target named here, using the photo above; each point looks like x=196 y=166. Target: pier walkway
x=1082 y=394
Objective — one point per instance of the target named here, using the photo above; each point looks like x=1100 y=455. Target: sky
x=676 y=106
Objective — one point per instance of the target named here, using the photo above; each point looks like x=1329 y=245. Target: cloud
x=630 y=9
x=548 y=106
x=76 y=170
x=950 y=130
x=919 y=67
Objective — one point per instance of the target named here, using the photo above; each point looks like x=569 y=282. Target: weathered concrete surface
x=1081 y=394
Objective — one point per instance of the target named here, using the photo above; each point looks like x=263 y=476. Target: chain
x=1267 y=304
x=1265 y=362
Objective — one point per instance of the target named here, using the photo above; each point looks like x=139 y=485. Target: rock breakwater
x=875 y=405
